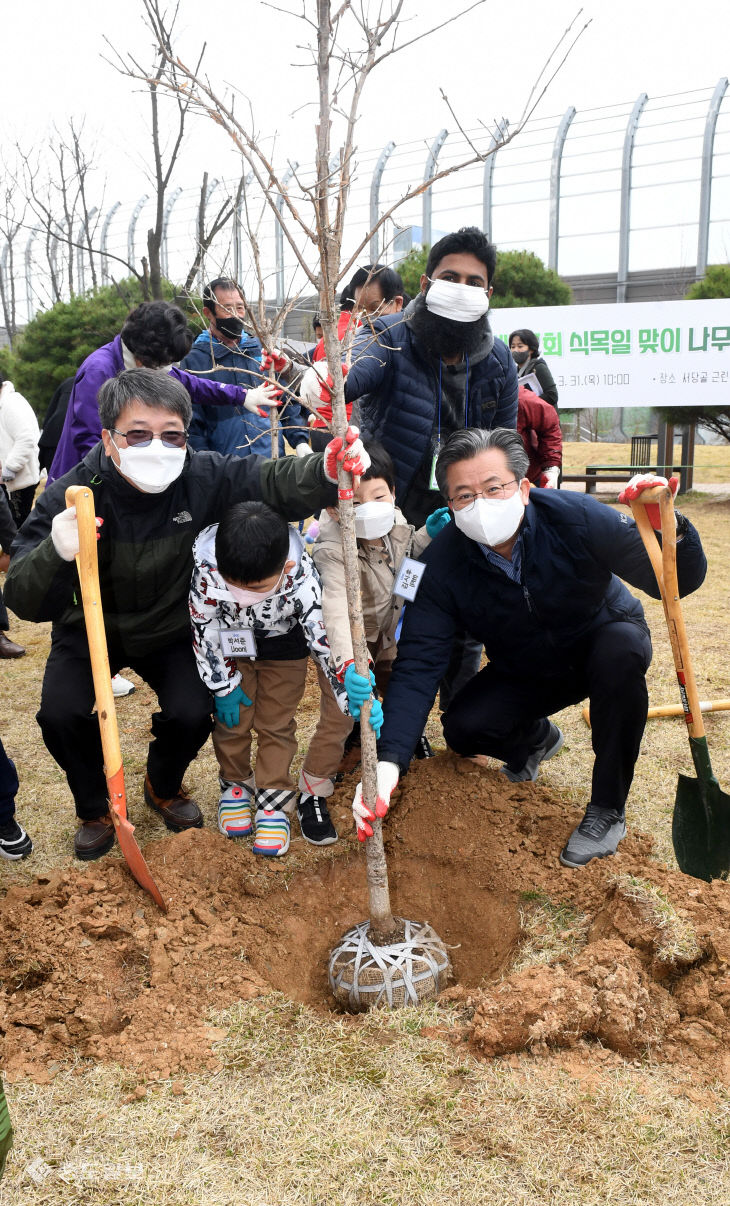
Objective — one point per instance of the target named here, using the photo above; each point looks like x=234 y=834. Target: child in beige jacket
x=384 y=543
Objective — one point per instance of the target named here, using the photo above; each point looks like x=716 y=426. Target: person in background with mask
x=154 y=336
x=525 y=348
x=384 y=542
x=256 y=614
x=226 y=353
x=152 y=497
x=539 y=426
x=535 y=575
x=378 y=291
x=372 y=292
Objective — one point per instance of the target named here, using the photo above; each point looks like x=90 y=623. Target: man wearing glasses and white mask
x=151 y=496
x=535 y=576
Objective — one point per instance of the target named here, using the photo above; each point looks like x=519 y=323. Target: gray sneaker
x=597 y=836
x=552 y=745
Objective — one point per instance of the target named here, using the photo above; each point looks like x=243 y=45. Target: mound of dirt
x=91 y=968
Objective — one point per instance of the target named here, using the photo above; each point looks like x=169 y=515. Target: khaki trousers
x=325 y=749
x=275 y=689
x=327 y=746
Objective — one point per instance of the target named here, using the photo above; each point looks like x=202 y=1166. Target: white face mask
x=151 y=469
x=249 y=598
x=373 y=519
x=462 y=303
x=491 y=521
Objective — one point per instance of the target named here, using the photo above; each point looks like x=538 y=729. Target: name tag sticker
x=238 y=642
x=408 y=579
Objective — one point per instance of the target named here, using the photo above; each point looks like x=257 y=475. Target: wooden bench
x=613 y=473
x=640 y=456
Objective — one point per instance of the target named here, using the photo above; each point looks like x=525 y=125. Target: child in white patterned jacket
x=256 y=613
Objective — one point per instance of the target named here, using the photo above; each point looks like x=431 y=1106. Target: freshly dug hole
x=89 y=967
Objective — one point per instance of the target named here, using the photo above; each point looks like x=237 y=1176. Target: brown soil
x=91 y=968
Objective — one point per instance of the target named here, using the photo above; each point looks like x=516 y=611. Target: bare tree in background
x=12 y=219
x=350 y=40
x=166 y=144
x=206 y=234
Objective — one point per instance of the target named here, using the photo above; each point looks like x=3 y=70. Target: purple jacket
x=82 y=428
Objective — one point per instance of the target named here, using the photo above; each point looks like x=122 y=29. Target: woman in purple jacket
x=155 y=336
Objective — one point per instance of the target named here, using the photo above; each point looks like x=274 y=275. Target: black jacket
x=573 y=548
x=146 y=540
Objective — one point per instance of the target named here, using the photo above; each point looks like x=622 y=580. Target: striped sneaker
x=273 y=831
x=234 y=810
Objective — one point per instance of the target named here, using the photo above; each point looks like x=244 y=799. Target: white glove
x=312 y=387
x=65 y=534
x=8 y=475
x=551 y=475
x=266 y=395
x=388 y=775
x=303 y=450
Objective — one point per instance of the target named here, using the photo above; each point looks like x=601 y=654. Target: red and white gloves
x=276 y=360
x=646 y=481
x=315 y=388
x=349 y=453
x=316 y=391
x=266 y=395
x=388 y=775
x=550 y=477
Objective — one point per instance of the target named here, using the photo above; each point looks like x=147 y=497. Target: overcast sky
x=53 y=67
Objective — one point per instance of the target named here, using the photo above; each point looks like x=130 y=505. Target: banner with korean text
x=674 y=353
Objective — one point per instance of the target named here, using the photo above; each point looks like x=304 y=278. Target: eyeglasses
x=466 y=498
x=140 y=437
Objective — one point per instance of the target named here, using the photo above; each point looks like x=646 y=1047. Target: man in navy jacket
x=225 y=353
x=536 y=577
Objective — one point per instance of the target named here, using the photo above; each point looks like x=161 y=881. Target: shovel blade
x=134 y=857
x=124 y=830
x=701 y=828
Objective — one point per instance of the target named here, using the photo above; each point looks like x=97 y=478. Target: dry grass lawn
x=317 y=1110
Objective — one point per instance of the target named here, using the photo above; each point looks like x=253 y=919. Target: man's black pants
x=503 y=716
x=71 y=732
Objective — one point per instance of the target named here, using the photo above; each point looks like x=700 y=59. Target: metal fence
x=634 y=188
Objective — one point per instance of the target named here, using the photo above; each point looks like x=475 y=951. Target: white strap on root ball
x=363 y=976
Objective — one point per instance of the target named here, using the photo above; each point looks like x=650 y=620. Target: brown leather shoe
x=179 y=812
x=94 y=838
x=8 y=648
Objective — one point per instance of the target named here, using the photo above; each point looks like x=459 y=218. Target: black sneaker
x=551 y=745
x=315 y=821
x=14 y=841
x=423 y=748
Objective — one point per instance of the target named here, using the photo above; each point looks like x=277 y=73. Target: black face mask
x=230 y=326
x=521 y=357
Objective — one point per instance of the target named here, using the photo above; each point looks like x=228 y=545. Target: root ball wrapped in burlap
x=363 y=976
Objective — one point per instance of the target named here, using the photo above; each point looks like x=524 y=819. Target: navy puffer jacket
x=402 y=389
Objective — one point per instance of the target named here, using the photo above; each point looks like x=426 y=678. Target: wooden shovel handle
x=87 y=563
x=664 y=564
